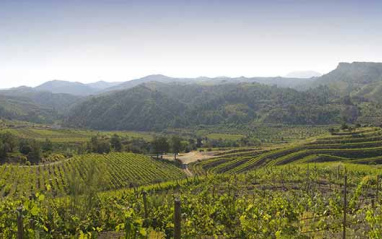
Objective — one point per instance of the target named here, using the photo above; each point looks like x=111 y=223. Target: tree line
x=18 y=150
x=14 y=149
x=158 y=146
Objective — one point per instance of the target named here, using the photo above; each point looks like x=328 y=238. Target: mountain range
x=81 y=89
x=75 y=88
x=101 y=87
x=352 y=92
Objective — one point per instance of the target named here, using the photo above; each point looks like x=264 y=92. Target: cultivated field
x=111 y=171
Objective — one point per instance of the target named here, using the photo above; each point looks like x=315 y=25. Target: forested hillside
x=297 y=83
x=360 y=79
x=28 y=104
x=75 y=88
x=22 y=109
x=155 y=106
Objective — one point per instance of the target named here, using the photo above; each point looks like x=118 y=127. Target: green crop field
x=291 y=201
x=69 y=135
x=117 y=170
x=293 y=191
x=225 y=136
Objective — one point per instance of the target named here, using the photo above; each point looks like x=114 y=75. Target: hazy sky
x=117 y=40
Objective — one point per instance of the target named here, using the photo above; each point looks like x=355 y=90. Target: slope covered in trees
x=31 y=105
x=155 y=106
x=17 y=108
x=292 y=82
x=352 y=93
x=359 y=79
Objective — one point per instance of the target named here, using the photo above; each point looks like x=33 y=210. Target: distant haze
x=303 y=74
x=88 y=41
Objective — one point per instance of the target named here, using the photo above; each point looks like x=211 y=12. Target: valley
x=245 y=159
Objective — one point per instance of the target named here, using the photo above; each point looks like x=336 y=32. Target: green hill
x=156 y=106
x=362 y=79
x=27 y=104
x=352 y=93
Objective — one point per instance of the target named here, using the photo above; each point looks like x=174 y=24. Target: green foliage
x=11 y=147
x=99 y=145
x=157 y=106
x=34 y=106
x=3 y=152
x=160 y=145
x=297 y=201
x=34 y=156
x=176 y=145
x=116 y=143
x=76 y=175
x=47 y=145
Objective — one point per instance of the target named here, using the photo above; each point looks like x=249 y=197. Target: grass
x=70 y=135
x=217 y=136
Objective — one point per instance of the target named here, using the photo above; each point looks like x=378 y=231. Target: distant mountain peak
x=66 y=87
x=23 y=87
x=351 y=77
x=75 y=88
x=101 y=85
x=156 y=76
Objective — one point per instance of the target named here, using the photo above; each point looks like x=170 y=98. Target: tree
x=176 y=145
x=103 y=147
x=3 y=152
x=25 y=147
x=199 y=142
x=99 y=146
x=116 y=143
x=34 y=156
x=10 y=142
x=191 y=146
x=160 y=145
x=138 y=145
x=344 y=126
x=47 y=146
x=93 y=144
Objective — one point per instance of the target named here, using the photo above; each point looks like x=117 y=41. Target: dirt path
x=187 y=171
x=187 y=158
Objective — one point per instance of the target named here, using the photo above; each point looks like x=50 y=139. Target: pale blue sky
x=117 y=40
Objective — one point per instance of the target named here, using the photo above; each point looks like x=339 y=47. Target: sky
x=116 y=40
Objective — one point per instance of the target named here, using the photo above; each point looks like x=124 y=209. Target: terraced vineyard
x=264 y=133
x=363 y=146
x=116 y=170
